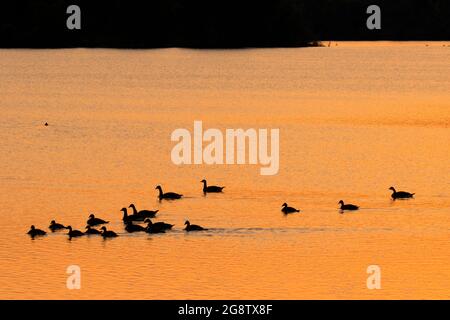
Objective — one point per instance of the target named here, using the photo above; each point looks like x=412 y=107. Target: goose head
x=32 y=227
x=341 y=202
x=148 y=221
x=392 y=188
x=187 y=223
x=52 y=222
x=124 y=210
x=132 y=206
x=284 y=204
x=91 y=216
x=103 y=228
x=70 y=228
x=158 y=187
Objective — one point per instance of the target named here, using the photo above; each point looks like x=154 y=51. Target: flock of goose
x=161 y=227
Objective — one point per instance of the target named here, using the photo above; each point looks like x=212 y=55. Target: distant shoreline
x=221 y=24
x=308 y=44
x=312 y=44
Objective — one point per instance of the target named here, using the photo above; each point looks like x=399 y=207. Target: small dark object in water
x=347 y=206
x=133 y=217
x=286 y=210
x=74 y=233
x=210 y=189
x=93 y=221
x=193 y=227
x=143 y=213
x=158 y=225
x=400 y=194
x=56 y=226
x=130 y=227
x=107 y=233
x=90 y=230
x=36 y=232
x=167 y=195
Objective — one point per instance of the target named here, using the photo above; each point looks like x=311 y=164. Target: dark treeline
x=217 y=23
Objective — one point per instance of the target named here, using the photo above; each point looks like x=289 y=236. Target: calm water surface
x=354 y=119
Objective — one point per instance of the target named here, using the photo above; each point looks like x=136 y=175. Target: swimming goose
x=158 y=225
x=347 y=206
x=132 y=217
x=36 y=232
x=90 y=230
x=285 y=209
x=93 y=221
x=107 y=233
x=56 y=226
x=193 y=227
x=210 y=189
x=400 y=194
x=143 y=213
x=154 y=229
x=74 y=233
x=130 y=227
x=167 y=195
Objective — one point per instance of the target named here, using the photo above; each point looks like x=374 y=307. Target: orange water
x=354 y=119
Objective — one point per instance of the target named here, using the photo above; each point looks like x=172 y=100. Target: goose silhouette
x=210 y=189
x=74 y=233
x=151 y=228
x=90 y=230
x=286 y=209
x=167 y=195
x=143 y=213
x=132 y=217
x=400 y=194
x=56 y=226
x=193 y=227
x=93 y=221
x=33 y=232
x=108 y=233
x=130 y=227
x=349 y=206
x=158 y=225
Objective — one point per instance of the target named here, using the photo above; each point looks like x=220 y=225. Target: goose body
x=349 y=206
x=211 y=189
x=93 y=221
x=74 y=233
x=126 y=218
x=56 y=226
x=167 y=195
x=90 y=230
x=33 y=232
x=154 y=229
x=193 y=227
x=400 y=194
x=143 y=213
x=286 y=209
x=158 y=225
x=108 y=233
x=130 y=227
